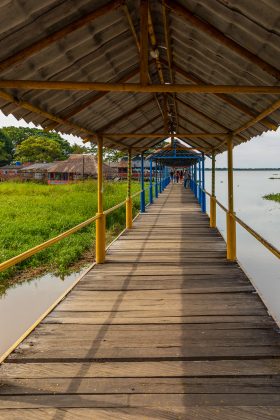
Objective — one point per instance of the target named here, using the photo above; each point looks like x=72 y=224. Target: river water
x=23 y=304
x=261 y=266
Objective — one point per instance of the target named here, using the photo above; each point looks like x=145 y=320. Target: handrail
x=23 y=256
x=108 y=211
x=256 y=235
x=26 y=254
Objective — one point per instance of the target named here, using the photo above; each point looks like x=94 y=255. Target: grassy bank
x=273 y=197
x=32 y=213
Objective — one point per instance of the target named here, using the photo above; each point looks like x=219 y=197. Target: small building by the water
x=77 y=167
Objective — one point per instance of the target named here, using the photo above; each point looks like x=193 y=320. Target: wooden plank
x=166 y=328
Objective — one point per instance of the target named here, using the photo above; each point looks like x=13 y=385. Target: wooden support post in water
x=128 y=198
x=231 y=224
x=100 y=222
x=213 y=194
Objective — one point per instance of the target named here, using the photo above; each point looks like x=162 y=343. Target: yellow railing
x=23 y=256
x=256 y=235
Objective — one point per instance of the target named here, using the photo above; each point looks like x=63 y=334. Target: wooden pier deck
x=167 y=328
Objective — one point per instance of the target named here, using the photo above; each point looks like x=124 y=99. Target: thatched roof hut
x=78 y=166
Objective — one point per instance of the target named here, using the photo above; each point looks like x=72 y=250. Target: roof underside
x=104 y=50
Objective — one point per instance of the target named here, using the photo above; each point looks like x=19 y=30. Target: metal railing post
x=156 y=179
x=151 y=182
x=203 y=204
x=142 y=200
x=231 y=224
x=100 y=222
x=213 y=193
x=128 y=198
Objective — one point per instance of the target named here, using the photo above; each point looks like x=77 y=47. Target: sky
x=260 y=152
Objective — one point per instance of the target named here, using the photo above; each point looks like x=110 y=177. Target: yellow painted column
x=213 y=194
x=231 y=224
x=100 y=222
x=128 y=198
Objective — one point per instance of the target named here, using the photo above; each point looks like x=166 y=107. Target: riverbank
x=33 y=213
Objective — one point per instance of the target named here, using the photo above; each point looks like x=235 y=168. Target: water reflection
x=22 y=304
x=262 y=267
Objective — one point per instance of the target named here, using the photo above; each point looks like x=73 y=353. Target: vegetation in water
x=273 y=197
x=32 y=213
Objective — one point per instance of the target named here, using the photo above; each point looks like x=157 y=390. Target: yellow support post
x=128 y=198
x=231 y=224
x=100 y=222
x=213 y=195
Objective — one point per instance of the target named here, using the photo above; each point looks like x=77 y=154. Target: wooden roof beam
x=221 y=38
x=125 y=115
x=169 y=57
x=239 y=106
x=144 y=42
x=263 y=114
x=159 y=135
x=90 y=101
x=59 y=34
x=137 y=88
x=198 y=127
x=137 y=43
x=206 y=117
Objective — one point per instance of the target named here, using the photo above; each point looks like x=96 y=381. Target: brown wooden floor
x=166 y=329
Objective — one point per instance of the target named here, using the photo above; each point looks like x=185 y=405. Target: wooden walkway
x=166 y=329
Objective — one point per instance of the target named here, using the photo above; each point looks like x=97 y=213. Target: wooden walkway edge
x=167 y=328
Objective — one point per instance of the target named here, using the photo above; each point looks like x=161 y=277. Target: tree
x=17 y=135
x=39 y=149
x=6 y=150
x=77 y=149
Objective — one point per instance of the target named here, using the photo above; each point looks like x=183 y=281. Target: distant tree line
x=35 y=145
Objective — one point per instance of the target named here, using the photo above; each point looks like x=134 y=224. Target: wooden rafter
x=198 y=127
x=91 y=100
x=205 y=116
x=132 y=111
x=137 y=43
x=144 y=42
x=59 y=34
x=221 y=38
x=259 y=117
x=239 y=106
x=138 y=88
x=169 y=57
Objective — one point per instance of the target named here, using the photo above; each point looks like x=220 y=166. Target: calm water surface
x=22 y=304
x=262 y=267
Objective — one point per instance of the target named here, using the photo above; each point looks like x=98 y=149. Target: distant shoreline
x=245 y=169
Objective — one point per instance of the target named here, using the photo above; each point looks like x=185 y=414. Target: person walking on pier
x=177 y=176
x=171 y=173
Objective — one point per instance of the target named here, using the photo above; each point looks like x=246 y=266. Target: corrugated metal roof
x=104 y=50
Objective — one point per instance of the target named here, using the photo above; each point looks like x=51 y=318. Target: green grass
x=33 y=213
x=273 y=197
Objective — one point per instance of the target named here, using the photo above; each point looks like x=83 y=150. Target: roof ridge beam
x=138 y=88
x=144 y=42
x=215 y=33
x=59 y=34
x=159 y=135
